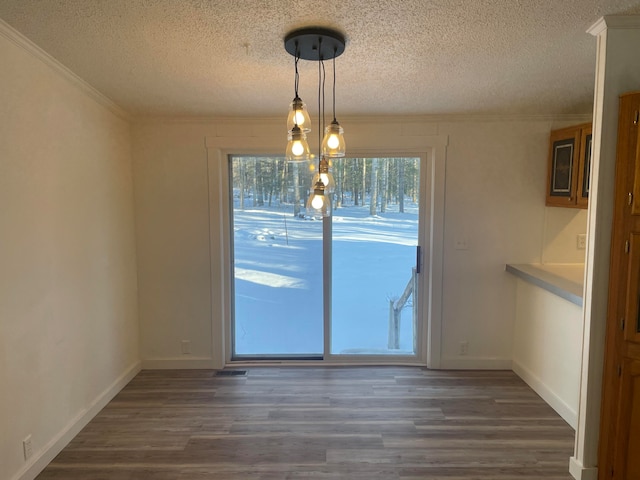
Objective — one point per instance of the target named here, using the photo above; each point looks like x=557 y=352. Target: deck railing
x=395 y=312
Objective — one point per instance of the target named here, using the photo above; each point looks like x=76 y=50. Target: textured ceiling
x=403 y=57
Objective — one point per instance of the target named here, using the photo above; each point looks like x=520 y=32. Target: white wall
x=561 y=227
x=495 y=194
x=547 y=347
x=495 y=173
x=496 y=184
x=68 y=296
x=172 y=234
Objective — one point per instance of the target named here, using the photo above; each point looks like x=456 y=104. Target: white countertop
x=564 y=280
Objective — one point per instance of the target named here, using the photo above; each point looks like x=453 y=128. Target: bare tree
x=283 y=183
x=401 y=185
x=354 y=180
x=296 y=189
x=363 y=190
x=384 y=185
x=254 y=184
x=242 y=179
x=260 y=181
x=416 y=180
x=374 y=187
x=339 y=179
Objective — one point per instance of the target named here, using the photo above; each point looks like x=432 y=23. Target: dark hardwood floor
x=321 y=423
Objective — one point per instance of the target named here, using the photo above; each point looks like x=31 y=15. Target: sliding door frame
x=432 y=151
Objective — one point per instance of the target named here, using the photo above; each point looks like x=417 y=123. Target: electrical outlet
x=460 y=242
x=186 y=347
x=582 y=241
x=464 y=348
x=27 y=447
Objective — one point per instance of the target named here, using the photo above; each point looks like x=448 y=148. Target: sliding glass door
x=363 y=300
x=374 y=251
x=277 y=271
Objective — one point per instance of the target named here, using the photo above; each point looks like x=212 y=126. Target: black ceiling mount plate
x=315 y=43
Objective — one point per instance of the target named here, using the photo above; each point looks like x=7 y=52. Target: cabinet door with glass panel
x=569 y=167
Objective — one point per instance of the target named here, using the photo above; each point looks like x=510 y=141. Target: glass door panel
x=375 y=235
x=277 y=261
x=278 y=273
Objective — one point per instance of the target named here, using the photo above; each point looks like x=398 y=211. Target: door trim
x=433 y=147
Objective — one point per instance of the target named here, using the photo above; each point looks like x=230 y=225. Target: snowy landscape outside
x=278 y=298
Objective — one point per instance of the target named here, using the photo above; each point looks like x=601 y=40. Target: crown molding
x=438 y=118
x=23 y=42
x=614 y=21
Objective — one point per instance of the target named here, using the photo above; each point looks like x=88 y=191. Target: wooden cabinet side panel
x=633 y=146
x=612 y=425
x=632 y=392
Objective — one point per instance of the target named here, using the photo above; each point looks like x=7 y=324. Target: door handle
x=418 y=252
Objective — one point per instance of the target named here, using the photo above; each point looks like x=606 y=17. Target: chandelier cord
x=320 y=120
x=319 y=112
x=335 y=50
x=297 y=76
x=324 y=77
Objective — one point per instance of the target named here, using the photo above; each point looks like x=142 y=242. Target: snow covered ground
x=278 y=280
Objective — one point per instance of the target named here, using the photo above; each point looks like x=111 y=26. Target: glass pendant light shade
x=327 y=180
x=324 y=176
x=319 y=202
x=298 y=115
x=297 y=147
x=333 y=143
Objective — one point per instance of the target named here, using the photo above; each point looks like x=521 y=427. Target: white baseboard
x=178 y=363
x=558 y=404
x=46 y=454
x=474 y=363
x=579 y=472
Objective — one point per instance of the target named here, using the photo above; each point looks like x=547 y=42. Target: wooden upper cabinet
x=569 y=167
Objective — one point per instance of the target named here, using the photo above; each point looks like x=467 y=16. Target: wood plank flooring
x=321 y=423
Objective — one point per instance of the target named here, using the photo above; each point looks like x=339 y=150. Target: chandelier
x=316 y=44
